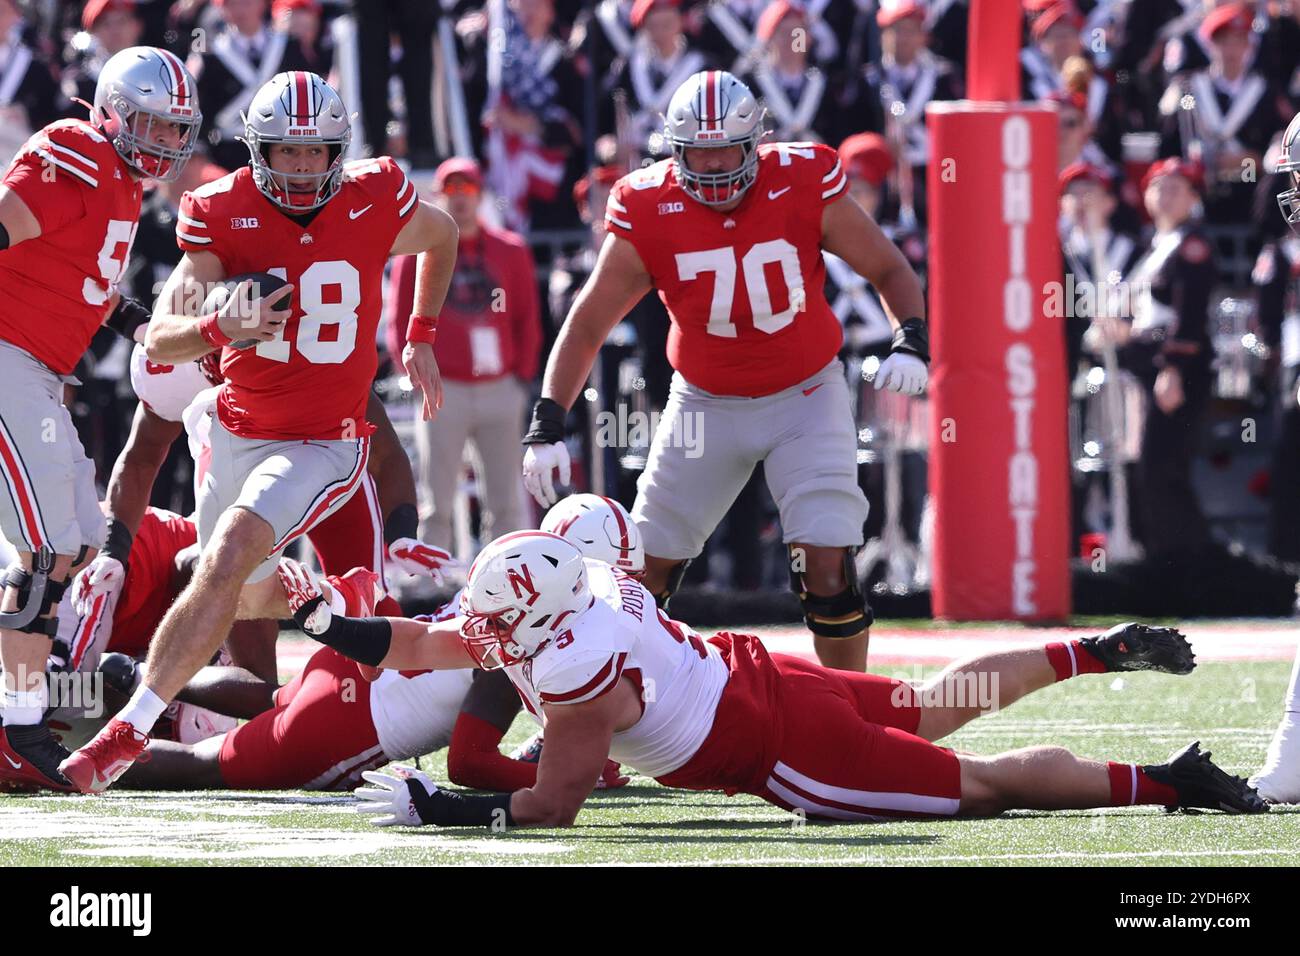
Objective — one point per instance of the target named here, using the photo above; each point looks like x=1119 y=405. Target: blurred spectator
x=488 y=350
x=107 y=27
x=1187 y=46
x=1224 y=116
x=28 y=91
x=1168 y=348
x=230 y=67
x=642 y=82
x=791 y=88
x=300 y=20
x=891 y=97
x=412 y=22
x=533 y=139
x=1075 y=143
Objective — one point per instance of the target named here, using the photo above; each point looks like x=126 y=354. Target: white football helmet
x=711 y=110
x=1289 y=200
x=300 y=108
x=145 y=81
x=601 y=528
x=521 y=588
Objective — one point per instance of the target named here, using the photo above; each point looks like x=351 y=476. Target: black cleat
x=1201 y=784
x=1140 y=647
x=31 y=760
x=120 y=671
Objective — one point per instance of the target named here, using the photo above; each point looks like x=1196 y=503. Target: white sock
x=1280 y=777
x=143 y=710
x=24 y=708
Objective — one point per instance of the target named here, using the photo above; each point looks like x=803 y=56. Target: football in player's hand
x=264 y=284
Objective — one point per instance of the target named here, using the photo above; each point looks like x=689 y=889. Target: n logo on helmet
x=521 y=579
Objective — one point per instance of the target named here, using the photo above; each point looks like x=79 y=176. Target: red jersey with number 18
x=745 y=288
x=54 y=289
x=313 y=381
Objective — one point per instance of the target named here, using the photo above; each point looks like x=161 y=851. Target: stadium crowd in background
x=1170 y=112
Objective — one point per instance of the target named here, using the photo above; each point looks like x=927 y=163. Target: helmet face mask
x=298 y=109
x=1289 y=200
x=141 y=90
x=712 y=110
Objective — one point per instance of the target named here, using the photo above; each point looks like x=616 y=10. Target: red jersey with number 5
x=55 y=288
x=313 y=381
x=745 y=288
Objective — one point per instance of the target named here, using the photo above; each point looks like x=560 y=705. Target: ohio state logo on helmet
x=714 y=110
x=297 y=108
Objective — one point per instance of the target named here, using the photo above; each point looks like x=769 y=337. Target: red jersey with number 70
x=745 y=288
x=313 y=381
x=54 y=289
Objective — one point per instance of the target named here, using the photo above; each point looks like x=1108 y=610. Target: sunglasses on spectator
x=460 y=188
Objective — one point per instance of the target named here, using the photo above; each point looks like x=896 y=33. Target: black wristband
x=447 y=809
x=547 y=426
x=118 y=542
x=364 y=639
x=912 y=337
x=127 y=317
x=4 y=236
x=404 y=522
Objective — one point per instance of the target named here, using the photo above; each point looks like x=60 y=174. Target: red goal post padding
x=998 y=453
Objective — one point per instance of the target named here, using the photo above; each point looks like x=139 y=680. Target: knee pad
x=837 y=615
x=675 y=577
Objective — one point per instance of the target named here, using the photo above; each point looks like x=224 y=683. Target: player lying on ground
x=291 y=442
x=611 y=676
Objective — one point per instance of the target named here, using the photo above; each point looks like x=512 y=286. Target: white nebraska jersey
x=166 y=390
x=415 y=715
x=623 y=635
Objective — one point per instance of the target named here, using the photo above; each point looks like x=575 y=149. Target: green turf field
x=1230 y=707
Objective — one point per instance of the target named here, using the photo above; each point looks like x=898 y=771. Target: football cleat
x=94 y=767
x=530 y=752
x=29 y=760
x=1140 y=647
x=1201 y=784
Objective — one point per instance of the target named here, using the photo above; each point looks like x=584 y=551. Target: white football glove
x=539 y=461
x=902 y=372
x=420 y=559
x=104 y=575
x=388 y=803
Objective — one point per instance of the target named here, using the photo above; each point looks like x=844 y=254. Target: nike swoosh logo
x=773 y=193
x=16 y=766
x=353 y=213
x=809 y=391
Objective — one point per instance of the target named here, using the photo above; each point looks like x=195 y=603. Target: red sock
x=1071 y=660
x=1129 y=786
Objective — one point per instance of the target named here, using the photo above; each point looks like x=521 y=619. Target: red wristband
x=422 y=328
x=211 y=332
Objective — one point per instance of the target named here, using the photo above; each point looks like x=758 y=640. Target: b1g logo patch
x=669 y=207
x=244 y=222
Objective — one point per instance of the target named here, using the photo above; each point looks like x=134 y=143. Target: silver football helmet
x=140 y=89
x=712 y=110
x=1289 y=200
x=302 y=109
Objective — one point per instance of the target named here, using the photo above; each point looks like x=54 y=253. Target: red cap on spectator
x=891 y=13
x=1060 y=11
x=772 y=16
x=457 y=166
x=606 y=175
x=1036 y=6
x=97 y=8
x=283 y=6
x=641 y=9
x=1083 y=171
x=867 y=156
x=1175 y=165
x=1234 y=16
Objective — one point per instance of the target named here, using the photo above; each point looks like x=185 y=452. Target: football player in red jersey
x=69 y=207
x=731 y=235
x=290 y=442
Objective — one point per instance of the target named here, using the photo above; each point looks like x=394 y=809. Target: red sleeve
x=528 y=323
x=194 y=231
x=401 y=297
x=831 y=180
x=404 y=193
x=55 y=196
x=473 y=759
